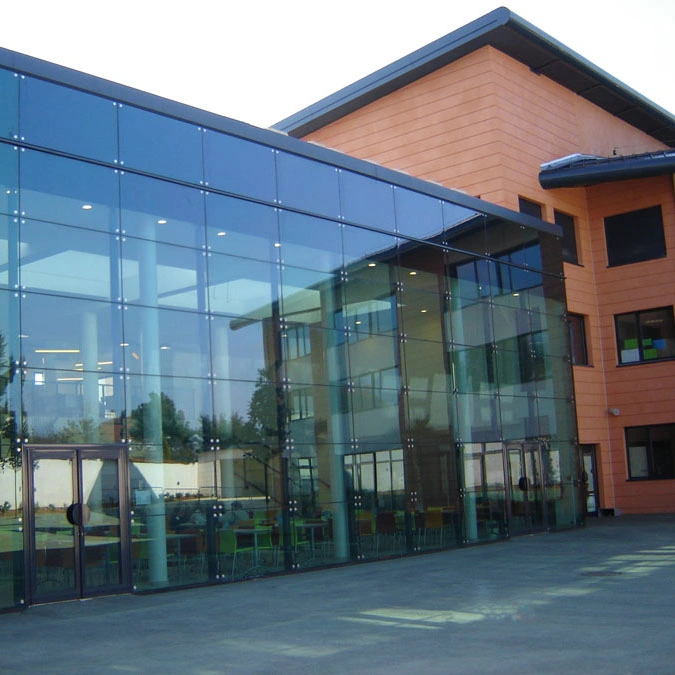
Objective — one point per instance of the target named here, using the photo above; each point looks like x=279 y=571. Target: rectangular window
x=651 y=452
x=569 y=236
x=645 y=336
x=577 y=327
x=530 y=208
x=635 y=236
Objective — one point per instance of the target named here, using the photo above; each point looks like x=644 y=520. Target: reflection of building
x=207 y=325
x=503 y=111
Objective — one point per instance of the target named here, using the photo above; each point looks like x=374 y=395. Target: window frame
x=635 y=247
x=649 y=450
x=578 y=321
x=640 y=346
x=568 y=222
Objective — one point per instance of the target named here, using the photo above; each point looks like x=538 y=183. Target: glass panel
x=241 y=287
x=363 y=248
x=70 y=192
x=71 y=406
x=519 y=417
x=166 y=342
x=503 y=236
x=310 y=242
x=54 y=538
x=9 y=111
x=471 y=324
x=366 y=201
x=69 y=261
x=527 y=508
x=9 y=180
x=102 y=552
x=9 y=234
x=162 y=211
x=309 y=297
x=308 y=185
x=478 y=418
x=241 y=348
x=473 y=369
x=417 y=215
x=65 y=119
x=239 y=166
x=160 y=274
x=241 y=228
x=464 y=228
x=143 y=144
x=425 y=367
x=421 y=315
x=72 y=334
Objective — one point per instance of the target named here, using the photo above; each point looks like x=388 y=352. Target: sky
x=259 y=61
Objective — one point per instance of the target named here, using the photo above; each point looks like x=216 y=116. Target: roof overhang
x=583 y=170
x=514 y=36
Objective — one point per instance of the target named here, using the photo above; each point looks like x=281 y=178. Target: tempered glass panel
x=161 y=274
x=241 y=228
x=166 y=342
x=239 y=166
x=421 y=315
x=54 y=538
x=557 y=419
x=363 y=248
x=162 y=211
x=417 y=215
x=9 y=111
x=510 y=322
x=308 y=185
x=464 y=228
x=471 y=325
x=69 y=261
x=247 y=415
x=425 y=367
x=376 y=425
x=428 y=416
x=9 y=234
x=309 y=297
x=66 y=406
x=478 y=417
x=310 y=242
x=519 y=417
x=57 y=117
x=471 y=280
x=504 y=236
x=102 y=533
x=70 y=192
x=367 y=201
x=165 y=419
x=9 y=179
x=71 y=334
x=143 y=144
x=241 y=287
x=375 y=354
x=241 y=348
x=314 y=355
x=473 y=369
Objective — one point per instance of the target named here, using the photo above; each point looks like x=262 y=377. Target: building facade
x=504 y=112
x=228 y=353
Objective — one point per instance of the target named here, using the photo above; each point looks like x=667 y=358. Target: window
x=651 y=451
x=530 y=208
x=577 y=328
x=635 y=236
x=569 y=236
x=645 y=336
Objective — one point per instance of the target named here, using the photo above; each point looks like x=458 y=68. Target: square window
x=645 y=336
x=635 y=237
x=530 y=208
x=651 y=452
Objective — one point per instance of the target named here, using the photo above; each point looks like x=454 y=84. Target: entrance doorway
x=526 y=480
x=76 y=526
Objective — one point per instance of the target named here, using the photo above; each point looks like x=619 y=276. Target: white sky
x=260 y=60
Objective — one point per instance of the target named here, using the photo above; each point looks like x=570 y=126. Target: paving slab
x=600 y=599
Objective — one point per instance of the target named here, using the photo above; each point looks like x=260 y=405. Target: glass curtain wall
x=305 y=365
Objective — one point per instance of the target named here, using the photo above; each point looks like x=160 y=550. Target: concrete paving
x=596 y=600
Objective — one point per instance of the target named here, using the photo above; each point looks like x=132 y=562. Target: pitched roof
x=581 y=170
x=514 y=36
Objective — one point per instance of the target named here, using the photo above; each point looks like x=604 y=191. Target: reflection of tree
x=9 y=428
x=178 y=439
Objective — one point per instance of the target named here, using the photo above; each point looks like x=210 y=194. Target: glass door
x=78 y=537
x=527 y=505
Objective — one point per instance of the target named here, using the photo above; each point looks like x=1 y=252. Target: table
x=312 y=527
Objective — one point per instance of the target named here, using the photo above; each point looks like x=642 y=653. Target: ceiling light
x=412 y=274
x=87 y=207
x=371 y=265
x=164 y=347
x=357 y=323
x=277 y=244
x=57 y=351
x=423 y=311
x=161 y=221
x=124 y=344
x=221 y=234
x=69 y=379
